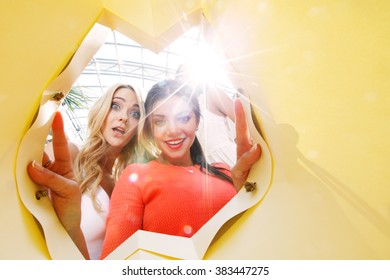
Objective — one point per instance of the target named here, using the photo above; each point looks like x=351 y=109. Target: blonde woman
x=81 y=193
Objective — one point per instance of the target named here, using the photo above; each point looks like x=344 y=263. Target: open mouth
x=119 y=130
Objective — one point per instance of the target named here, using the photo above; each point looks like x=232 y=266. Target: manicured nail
x=254 y=147
x=37 y=166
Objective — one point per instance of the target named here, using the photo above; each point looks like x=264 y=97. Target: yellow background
x=317 y=73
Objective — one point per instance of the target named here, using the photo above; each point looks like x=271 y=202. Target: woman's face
x=174 y=126
x=121 y=122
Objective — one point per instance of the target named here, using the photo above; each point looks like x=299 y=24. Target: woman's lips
x=175 y=143
x=119 y=131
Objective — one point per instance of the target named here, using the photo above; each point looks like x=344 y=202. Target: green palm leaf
x=76 y=99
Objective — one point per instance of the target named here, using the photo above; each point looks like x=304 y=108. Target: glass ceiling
x=121 y=59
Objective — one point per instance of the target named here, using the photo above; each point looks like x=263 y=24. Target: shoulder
x=138 y=172
x=217 y=95
x=139 y=167
x=223 y=167
x=220 y=102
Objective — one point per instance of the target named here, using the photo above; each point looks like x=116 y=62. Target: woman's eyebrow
x=118 y=97
x=124 y=100
x=157 y=115
x=184 y=112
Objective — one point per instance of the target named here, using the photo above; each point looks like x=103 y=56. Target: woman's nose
x=123 y=116
x=172 y=127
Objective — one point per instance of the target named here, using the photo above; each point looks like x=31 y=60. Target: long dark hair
x=162 y=91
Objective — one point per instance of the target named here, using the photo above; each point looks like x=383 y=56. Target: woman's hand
x=58 y=177
x=247 y=153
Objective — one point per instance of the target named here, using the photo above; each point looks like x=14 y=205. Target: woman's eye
x=115 y=106
x=159 y=122
x=135 y=114
x=184 y=119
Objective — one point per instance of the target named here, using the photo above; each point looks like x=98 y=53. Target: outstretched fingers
x=58 y=178
x=243 y=138
x=65 y=194
x=247 y=153
x=241 y=169
x=57 y=184
x=60 y=142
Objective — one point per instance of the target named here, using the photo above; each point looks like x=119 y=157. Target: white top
x=93 y=222
x=216 y=135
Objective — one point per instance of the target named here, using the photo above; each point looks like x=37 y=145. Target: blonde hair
x=88 y=164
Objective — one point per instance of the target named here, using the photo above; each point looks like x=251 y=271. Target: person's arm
x=247 y=152
x=58 y=177
x=126 y=212
x=220 y=104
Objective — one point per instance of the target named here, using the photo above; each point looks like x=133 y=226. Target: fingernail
x=37 y=166
x=254 y=147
